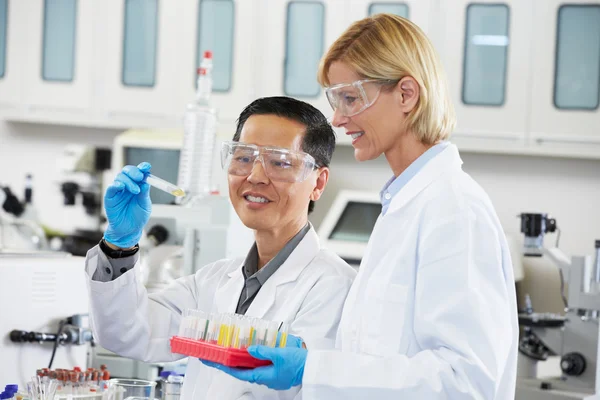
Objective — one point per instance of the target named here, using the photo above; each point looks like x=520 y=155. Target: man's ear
x=407 y=93
x=322 y=179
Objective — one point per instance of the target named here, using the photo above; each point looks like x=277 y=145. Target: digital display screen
x=165 y=165
x=356 y=222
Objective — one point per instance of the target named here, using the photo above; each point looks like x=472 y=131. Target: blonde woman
x=432 y=313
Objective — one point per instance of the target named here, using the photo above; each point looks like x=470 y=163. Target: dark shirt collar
x=250 y=267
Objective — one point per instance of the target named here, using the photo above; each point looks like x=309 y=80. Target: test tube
x=230 y=331
x=202 y=322
x=165 y=186
x=184 y=326
x=210 y=328
x=244 y=334
x=272 y=333
x=226 y=331
x=261 y=338
x=285 y=327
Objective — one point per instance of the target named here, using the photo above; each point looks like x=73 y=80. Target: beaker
x=130 y=389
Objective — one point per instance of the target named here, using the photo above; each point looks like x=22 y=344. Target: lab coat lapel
x=447 y=161
x=228 y=294
x=289 y=271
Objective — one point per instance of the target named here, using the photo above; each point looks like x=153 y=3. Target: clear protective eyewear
x=279 y=164
x=351 y=98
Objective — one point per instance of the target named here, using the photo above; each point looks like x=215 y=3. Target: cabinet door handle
x=568 y=140
x=497 y=136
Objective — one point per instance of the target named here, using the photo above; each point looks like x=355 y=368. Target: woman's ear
x=322 y=179
x=408 y=92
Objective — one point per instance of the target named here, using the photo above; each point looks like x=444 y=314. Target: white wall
x=566 y=188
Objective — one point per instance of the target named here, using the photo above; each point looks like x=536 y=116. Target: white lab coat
x=308 y=290
x=432 y=313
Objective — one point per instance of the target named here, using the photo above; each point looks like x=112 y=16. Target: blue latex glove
x=128 y=206
x=287 y=369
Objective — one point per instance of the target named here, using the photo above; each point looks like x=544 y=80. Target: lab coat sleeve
x=462 y=325
x=128 y=321
x=319 y=316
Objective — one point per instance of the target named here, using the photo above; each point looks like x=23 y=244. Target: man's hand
x=128 y=206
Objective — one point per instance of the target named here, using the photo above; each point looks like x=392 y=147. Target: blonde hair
x=387 y=46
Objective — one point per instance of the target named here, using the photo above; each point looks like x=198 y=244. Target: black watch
x=117 y=253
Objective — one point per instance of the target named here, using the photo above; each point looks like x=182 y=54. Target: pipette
x=164 y=185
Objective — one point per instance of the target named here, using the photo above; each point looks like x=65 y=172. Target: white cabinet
x=13 y=38
x=565 y=91
x=524 y=76
x=58 y=71
x=291 y=45
x=418 y=11
x=229 y=30
x=485 y=50
x=140 y=61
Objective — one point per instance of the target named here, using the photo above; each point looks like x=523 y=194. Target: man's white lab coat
x=432 y=313
x=308 y=290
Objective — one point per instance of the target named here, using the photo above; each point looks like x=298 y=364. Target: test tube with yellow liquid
x=165 y=186
x=283 y=331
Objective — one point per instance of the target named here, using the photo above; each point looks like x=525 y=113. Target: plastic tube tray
x=239 y=358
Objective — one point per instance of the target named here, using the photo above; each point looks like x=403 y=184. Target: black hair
x=319 y=137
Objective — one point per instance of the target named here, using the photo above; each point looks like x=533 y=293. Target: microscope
x=574 y=337
x=81 y=187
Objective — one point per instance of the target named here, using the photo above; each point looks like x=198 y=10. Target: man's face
x=287 y=203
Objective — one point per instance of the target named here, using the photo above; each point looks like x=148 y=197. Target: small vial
x=272 y=333
x=285 y=327
x=164 y=185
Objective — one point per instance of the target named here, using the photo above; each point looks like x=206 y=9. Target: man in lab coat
x=277 y=167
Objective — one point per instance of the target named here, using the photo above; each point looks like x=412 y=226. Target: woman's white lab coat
x=432 y=313
x=308 y=290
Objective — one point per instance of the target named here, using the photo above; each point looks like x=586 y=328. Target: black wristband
x=117 y=253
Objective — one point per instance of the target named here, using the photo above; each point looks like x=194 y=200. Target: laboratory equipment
x=37 y=290
x=347 y=226
x=81 y=185
x=573 y=337
x=224 y=338
x=89 y=384
x=18 y=224
x=163 y=185
x=41 y=389
x=171 y=384
x=132 y=389
x=200 y=129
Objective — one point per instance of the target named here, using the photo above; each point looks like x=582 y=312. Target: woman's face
x=379 y=127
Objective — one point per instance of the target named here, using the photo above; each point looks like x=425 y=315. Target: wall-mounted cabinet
x=524 y=76
x=486 y=62
x=59 y=56
x=565 y=87
x=292 y=44
x=141 y=59
x=223 y=27
x=419 y=12
x=12 y=56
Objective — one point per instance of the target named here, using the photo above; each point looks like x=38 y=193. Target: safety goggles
x=279 y=164
x=352 y=98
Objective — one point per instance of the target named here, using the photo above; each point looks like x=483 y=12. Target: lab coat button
x=387 y=196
